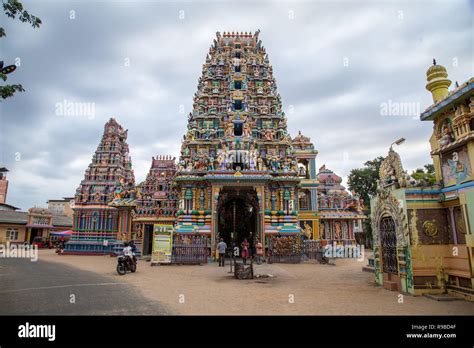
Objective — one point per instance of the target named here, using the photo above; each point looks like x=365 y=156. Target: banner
x=162 y=244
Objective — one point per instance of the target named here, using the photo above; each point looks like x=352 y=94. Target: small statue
x=189 y=166
x=211 y=163
x=259 y=164
x=253 y=157
x=186 y=151
x=447 y=134
x=229 y=129
x=247 y=131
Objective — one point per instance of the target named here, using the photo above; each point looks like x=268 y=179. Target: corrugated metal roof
x=14 y=217
x=21 y=217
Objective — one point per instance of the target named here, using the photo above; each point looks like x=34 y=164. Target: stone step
x=390 y=285
x=368 y=268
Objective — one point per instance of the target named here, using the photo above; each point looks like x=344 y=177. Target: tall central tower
x=237 y=173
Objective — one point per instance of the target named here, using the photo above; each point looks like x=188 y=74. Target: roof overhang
x=432 y=112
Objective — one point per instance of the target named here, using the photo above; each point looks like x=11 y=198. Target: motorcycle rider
x=127 y=251
x=60 y=246
x=134 y=249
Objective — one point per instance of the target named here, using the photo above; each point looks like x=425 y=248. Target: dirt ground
x=341 y=289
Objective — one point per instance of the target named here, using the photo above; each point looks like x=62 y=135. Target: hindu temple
x=109 y=174
x=240 y=175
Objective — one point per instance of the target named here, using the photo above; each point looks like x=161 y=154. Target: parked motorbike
x=125 y=263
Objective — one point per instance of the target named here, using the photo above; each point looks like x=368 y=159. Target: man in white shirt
x=221 y=247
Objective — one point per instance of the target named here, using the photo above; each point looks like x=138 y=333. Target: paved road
x=37 y=288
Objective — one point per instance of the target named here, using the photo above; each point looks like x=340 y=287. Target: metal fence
x=190 y=250
x=312 y=249
x=285 y=250
x=295 y=250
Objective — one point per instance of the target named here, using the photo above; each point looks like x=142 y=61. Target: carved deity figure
x=447 y=134
x=267 y=134
x=119 y=191
x=337 y=228
x=186 y=151
x=253 y=157
x=229 y=129
x=189 y=166
x=247 y=129
x=211 y=162
x=221 y=158
x=260 y=164
x=307 y=231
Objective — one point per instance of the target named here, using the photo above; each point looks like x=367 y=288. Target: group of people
x=247 y=252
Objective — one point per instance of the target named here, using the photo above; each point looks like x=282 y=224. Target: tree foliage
x=14 y=9
x=363 y=181
x=426 y=175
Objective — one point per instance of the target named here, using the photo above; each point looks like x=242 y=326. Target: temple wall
x=432 y=263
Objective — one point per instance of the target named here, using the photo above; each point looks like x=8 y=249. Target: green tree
x=363 y=181
x=14 y=9
x=430 y=168
x=426 y=175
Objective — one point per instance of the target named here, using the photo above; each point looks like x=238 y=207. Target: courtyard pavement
x=52 y=288
x=308 y=289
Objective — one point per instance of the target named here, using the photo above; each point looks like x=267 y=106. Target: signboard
x=162 y=244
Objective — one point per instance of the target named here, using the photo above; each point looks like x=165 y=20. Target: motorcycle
x=125 y=263
x=59 y=248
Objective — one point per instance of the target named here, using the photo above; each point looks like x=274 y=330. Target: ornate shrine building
x=326 y=211
x=240 y=174
x=423 y=235
x=108 y=176
x=237 y=174
x=156 y=202
x=340 y=214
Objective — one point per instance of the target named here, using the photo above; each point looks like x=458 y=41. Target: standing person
x=221 y=247
x=259 y=249
x=245 y=250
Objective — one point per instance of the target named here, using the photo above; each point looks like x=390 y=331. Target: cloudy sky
x=337 y=63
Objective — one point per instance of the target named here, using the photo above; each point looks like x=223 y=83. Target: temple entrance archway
x=237 y=213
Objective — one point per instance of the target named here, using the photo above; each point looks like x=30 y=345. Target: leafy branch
x=14 y=9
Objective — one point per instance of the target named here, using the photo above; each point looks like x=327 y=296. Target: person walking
x=259 y=252
x=221 y=247
x=245 y=250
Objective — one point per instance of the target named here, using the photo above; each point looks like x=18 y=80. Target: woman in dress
x=245 y=250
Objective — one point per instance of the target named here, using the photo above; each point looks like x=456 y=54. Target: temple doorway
x=147 y=239
x=388 y=239
x=237 y=216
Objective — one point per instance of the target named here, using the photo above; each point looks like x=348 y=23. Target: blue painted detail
x=313 y=168
x=313 y=199
x=444 y=190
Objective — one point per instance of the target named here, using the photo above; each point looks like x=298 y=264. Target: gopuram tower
x=237 y=174
x=108 y=176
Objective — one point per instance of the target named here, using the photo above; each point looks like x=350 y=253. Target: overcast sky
x=336 y=64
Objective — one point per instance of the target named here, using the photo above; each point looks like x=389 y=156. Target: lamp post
x=397 y=142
